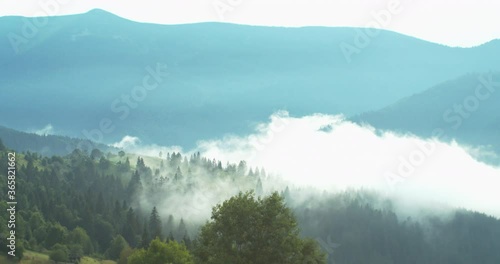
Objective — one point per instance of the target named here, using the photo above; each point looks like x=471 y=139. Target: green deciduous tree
x=59 y=253
x=117 y=246
x=56 y=233
x=161 y=252
x=247 y=230
x=79 y=237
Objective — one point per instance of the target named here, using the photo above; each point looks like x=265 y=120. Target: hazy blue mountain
x=466 y=109
x=222 y=78
x=47 y=145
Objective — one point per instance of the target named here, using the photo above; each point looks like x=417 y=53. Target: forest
x=192 y=209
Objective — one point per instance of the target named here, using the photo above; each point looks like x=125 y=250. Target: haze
x=329 y=153
x=452 y=23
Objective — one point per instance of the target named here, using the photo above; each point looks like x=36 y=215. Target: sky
x=463 y=23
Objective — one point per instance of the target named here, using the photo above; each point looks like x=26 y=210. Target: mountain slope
x=466 y=109
x=222 y=78
x=47 y=145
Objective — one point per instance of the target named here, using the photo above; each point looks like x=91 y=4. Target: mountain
x=47 y=145
x=466 y=109
x=84 y=74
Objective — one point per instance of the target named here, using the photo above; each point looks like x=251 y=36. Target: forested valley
x=192 y=209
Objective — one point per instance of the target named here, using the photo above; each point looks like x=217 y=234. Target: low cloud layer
x=47 y=130
x=133 y=145
x=329 y=153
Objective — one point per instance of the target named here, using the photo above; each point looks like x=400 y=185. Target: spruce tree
x=155 y=229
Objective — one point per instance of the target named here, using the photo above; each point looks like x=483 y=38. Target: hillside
x=466 y=109
x=80 y=206
x=220 y=78
x=47 y=145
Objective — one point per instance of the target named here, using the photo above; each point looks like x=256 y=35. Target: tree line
x=105 y=206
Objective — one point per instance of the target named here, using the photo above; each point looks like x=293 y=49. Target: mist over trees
x=109 y=207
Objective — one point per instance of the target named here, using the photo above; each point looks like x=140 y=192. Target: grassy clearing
x=31 y=257
x=88 y=260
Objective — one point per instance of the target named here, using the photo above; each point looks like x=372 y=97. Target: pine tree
x=181 y=229
x=178 y=175
x=146 y=237
x=259 y=190
x=170 y=236
x=117 y=213
x=134 y=187
x=155 y=229
x=187 y=241
x=131 y=228
x=100 y=205
x=169 y=226
x=242 y=168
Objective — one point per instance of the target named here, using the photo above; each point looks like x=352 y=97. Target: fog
x=47 y=130
x=329 y=153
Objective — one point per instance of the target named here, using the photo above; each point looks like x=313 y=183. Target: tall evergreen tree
x=155 y=225
x=259 y=190
x=134 y=187
x=131 y=228
x=181 y=230
x=178 y=175
x=146 y=237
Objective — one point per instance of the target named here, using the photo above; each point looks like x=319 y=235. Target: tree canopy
x=247 y=230
x=160 y=252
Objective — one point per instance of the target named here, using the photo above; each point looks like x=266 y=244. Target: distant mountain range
x=84 y=73
x=466 y=109
x=47 y=145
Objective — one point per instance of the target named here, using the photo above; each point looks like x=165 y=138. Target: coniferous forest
x=107 y=206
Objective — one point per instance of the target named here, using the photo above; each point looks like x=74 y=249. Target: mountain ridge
x=464 y=109
x=80 y=64
x=47 y=145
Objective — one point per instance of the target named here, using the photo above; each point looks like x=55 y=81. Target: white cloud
x=127 y=142
x=329 y=153
x=132 y=144
x=47 y=130
x=407 y=168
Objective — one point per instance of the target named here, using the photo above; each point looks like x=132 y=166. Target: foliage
x=118 y=245
x=161 y=252
x=74 y=205
x=248 y=230
x=59 y=253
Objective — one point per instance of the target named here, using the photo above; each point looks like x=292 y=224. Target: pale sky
x=450 y=22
